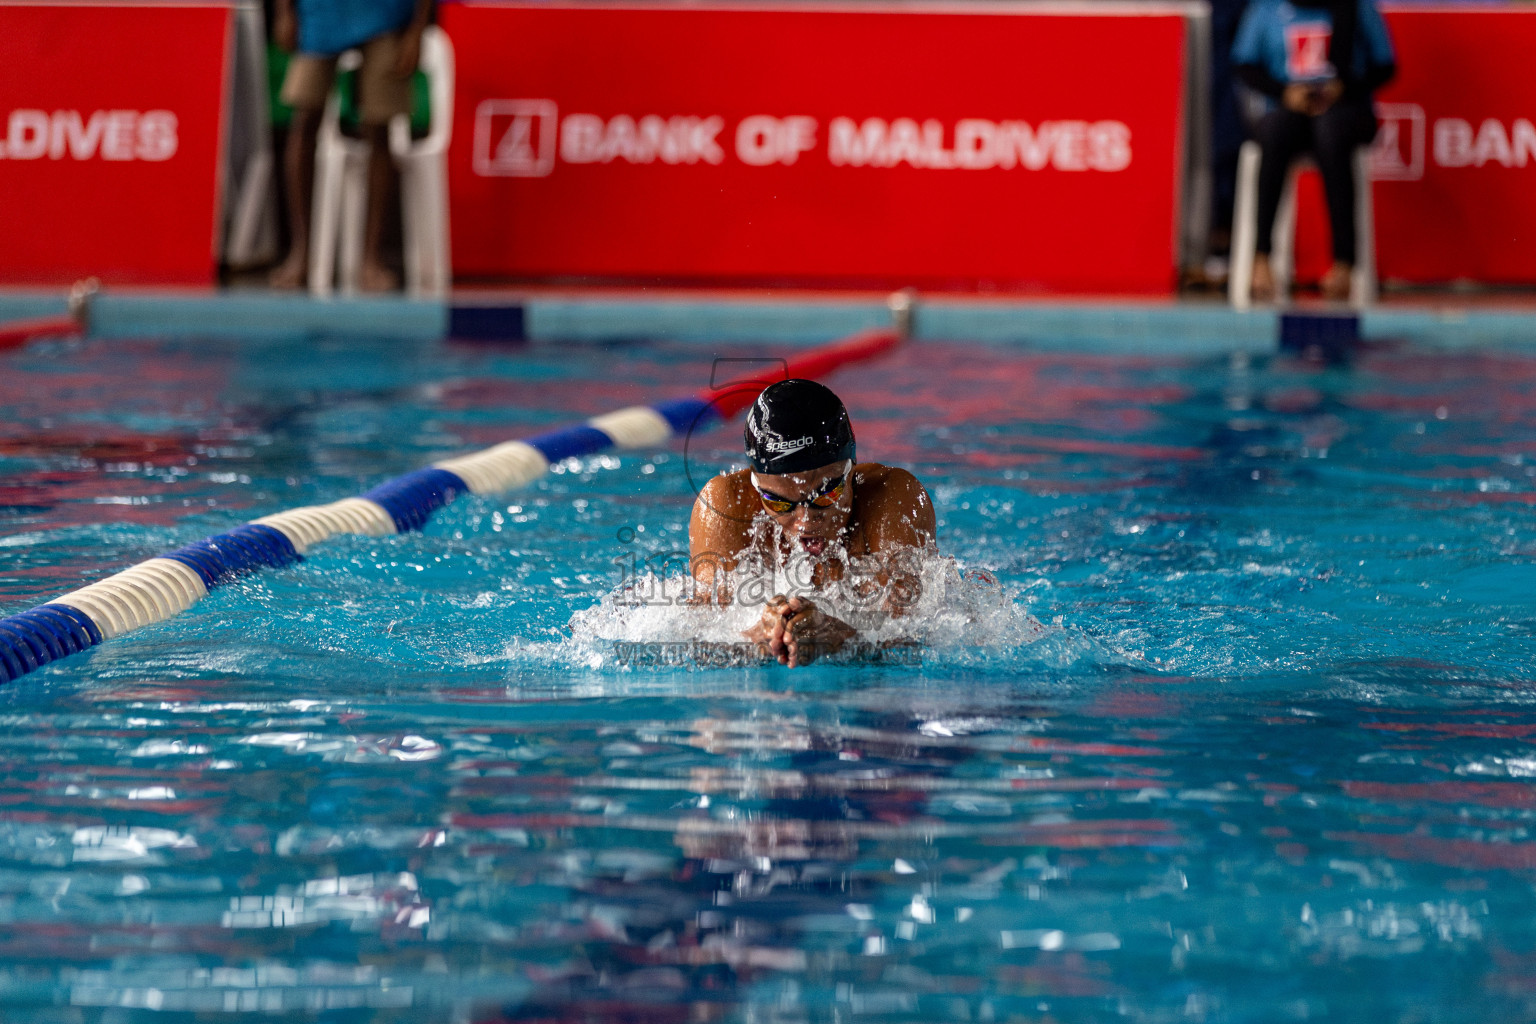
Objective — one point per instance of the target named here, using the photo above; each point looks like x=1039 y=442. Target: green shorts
x=381 y=93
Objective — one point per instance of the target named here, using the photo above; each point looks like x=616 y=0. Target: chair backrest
x=437 y=68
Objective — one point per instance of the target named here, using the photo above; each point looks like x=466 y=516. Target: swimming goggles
x=829 y=495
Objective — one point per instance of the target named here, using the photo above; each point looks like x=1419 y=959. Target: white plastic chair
x=341 y=186
x=340 y=201
x=424 y=174
x=1245 y=230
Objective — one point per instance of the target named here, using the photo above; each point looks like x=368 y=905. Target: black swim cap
x=796 y=425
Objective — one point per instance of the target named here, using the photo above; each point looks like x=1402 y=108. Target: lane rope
x=157 y=589
x=76 y=323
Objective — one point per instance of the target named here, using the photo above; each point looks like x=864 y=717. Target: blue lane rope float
x=162 y=587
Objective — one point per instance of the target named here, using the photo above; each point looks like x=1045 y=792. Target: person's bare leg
x=1336 y=282
x=299 y=173
x=1263 y=278
x=383 y=192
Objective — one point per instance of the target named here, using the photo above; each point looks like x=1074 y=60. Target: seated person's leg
x=1281 y=135
x=1341 y=130
x=305 y=88
x=384 y=93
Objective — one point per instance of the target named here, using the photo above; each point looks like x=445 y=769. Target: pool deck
x=1110 y=326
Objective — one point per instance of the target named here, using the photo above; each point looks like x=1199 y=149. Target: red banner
x=987 y=146
x=110 y=132
x=1455 y=158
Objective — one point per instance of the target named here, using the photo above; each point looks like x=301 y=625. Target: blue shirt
x=327 y=27
x=1291 y=42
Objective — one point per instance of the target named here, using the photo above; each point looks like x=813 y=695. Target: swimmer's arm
x=716 y=539
x=902 y=531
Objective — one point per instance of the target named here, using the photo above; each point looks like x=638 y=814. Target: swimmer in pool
x=808 y=505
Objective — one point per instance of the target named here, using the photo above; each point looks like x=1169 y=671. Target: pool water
x=1236 y=724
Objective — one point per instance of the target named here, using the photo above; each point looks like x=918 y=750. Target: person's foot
x=1263 y=285
x=292 y=273
x=1336 y=282
x=375 y=278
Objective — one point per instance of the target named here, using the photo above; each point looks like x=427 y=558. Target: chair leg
x=424 y=193
x=249 y=229
x=1283 y=259
x=412 y=236
x=410 y=202
x=442 y=275
x=326 y=209
x=432 y=194
x=354 y=217
x=1362 y=285
x=1245 y=228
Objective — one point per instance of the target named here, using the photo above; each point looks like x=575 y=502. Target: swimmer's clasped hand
x=794 y=632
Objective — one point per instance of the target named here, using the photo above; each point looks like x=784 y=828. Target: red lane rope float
x=731 y=398
x=64 y=325
x=18 y=332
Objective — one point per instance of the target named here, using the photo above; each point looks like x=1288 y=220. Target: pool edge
x=1192 y=328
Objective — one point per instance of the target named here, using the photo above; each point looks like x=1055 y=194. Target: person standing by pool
x=807 y=502
x=1317 y=62
x=316 y=32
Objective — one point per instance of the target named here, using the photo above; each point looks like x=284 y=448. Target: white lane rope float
x=157 y=589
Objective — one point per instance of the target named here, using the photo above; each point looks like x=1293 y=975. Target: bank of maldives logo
x=1398 y=152
x=1306 y=51
x=515 y=138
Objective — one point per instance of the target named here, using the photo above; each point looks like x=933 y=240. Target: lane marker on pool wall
x=159 y=588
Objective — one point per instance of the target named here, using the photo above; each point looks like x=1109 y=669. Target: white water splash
x=958 y=614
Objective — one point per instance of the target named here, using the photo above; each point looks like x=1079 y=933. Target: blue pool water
x=1241 y=732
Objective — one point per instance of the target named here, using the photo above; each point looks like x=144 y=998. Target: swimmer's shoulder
x=894 y=504
x=720 y=527
x=887 y=483
x=728 y=496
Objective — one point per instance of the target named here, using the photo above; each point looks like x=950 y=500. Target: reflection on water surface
x=1271 y=759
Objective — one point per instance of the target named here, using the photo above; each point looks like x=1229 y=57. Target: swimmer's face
x=810 y=507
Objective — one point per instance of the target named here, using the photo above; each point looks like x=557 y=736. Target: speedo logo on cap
x=789 y=446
